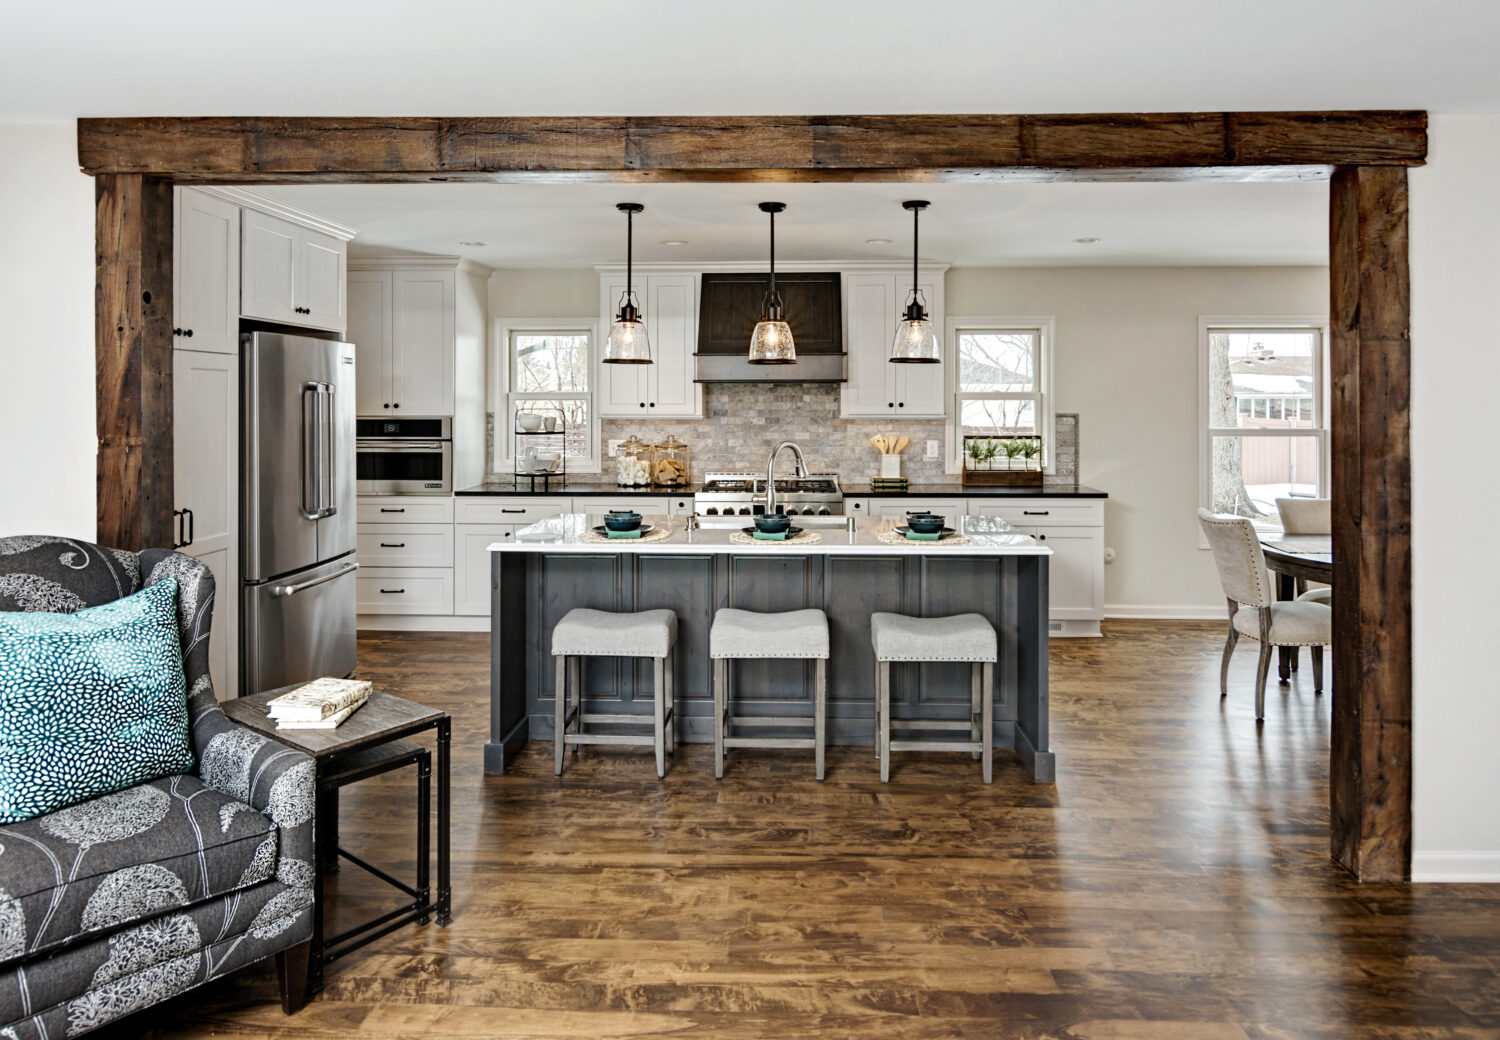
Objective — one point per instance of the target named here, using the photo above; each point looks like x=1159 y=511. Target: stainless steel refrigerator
x=297 y=509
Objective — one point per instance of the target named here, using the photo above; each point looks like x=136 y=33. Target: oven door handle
x=398 y=446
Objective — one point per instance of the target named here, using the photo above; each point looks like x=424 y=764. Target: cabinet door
x=206 y=446
x=1075 y=587
x=919 y=388
x=321 y=280
x=870 y=322
x=471 y=565
x=422 y=310
x=269 y=263
x=206 y=273
x=370 y=332
x=622 y=389
x=224 y=630
x=673 y=312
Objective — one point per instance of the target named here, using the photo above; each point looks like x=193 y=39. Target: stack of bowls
x=924 y=523
x=772 y=523
x=619 y=520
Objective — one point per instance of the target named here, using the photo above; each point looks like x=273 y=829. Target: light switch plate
x=614 y=447
x=932 y=449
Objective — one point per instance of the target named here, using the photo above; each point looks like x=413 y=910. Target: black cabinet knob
x=643 y=404
x=653 y=404
x=901 y=404
x=176 y=332
x=385 y=406
x=396 y=406
x=188 y=333
x=890 y=404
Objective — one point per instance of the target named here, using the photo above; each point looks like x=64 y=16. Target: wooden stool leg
x=883 y=696
x=671 y=702
x=975 y=711
x=575 y=696
x=659 y=712
x=875 y=740
x=560 y=714
x=720 y=667
x=820 y=712
x=987 y=695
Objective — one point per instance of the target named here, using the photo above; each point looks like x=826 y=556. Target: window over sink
x=1000 y=382
x=547 y=368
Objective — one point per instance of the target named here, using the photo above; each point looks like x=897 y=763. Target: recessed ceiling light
x=673 y=242
x=1085 y=241
x=471 y=243
x=877 y=241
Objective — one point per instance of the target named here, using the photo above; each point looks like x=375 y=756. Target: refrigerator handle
x=292 y=590
x=328 y=493
x=312 y=451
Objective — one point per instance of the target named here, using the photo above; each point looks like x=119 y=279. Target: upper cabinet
x=206 y=273
x=291 y=273
x=665 y=387
x=873 y=302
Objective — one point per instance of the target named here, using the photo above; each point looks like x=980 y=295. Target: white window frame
x=502 y=375
x=1260 y=323
x=1046 y=404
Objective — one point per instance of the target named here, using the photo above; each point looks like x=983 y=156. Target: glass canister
x=673 y=467
x=633 y=463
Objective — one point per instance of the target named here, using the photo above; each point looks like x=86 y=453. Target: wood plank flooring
x=1174 y=883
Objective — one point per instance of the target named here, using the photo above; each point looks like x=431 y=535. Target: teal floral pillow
x=91 y=702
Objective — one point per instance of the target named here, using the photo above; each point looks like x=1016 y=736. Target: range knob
x=711 y=511
x=744 y=510
x=790 y=512
x=824 y=511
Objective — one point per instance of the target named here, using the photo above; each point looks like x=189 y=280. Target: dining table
x=1291 y=557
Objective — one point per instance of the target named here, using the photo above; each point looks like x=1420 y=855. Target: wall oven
x=408 y=456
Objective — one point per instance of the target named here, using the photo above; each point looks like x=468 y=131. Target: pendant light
x=771 y=343
x=916 y=340
x=628 y=342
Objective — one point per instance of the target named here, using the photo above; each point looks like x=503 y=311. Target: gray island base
x=850 y=574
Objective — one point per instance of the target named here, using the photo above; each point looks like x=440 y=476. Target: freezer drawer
x=299 y=627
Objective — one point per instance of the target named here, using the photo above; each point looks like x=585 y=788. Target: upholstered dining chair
x=1253 y=608
x=1308 y=516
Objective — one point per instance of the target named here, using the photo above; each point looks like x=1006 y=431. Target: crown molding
x=273 y=207
x=931 y=267
x=386 y=261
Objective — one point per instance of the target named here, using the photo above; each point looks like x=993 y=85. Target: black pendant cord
x=915 y=250
x=629 y=252
x=773 y=257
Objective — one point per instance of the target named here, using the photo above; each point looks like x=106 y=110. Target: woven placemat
x=892 y=538
x=661 y=534
x=805 y=538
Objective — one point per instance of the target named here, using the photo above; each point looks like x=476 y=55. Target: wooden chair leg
x=1229 y=645
x=291 y=972
x=560 y=714
x=720 y=666
x=883 y=695
x=659 y=712
x=988 y=696
x=974 y=707
x=1262 y=673
x=1317 y=660
x=820 y=713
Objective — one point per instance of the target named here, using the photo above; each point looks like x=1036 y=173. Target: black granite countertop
x=950 y=490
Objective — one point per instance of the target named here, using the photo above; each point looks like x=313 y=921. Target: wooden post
x=133 y=359
x=1370 y=769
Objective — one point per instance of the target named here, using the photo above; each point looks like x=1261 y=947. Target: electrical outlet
x=614 y=447
x=932 y=449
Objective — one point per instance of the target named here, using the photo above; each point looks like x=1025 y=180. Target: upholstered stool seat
x=962 y=637
x=749 y=635
x=601 y=633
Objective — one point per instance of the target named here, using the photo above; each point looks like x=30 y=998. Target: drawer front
x=950 y=509
x=486 y=510
x=405 y=590
x=1042 y=512
x=406 y=545
x=404 y=509
x=646 y=505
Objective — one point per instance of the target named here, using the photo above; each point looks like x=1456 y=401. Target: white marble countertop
x=988 y=536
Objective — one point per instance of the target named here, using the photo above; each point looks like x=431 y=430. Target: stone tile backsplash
x=744 y=421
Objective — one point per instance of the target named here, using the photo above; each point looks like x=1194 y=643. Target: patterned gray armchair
x=119 y=902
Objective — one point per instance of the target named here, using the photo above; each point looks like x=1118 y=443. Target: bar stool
x=746 y=635
x=600 y=633
x=963 y=637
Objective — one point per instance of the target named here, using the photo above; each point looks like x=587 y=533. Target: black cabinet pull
x=177 y=535
x=393 y=545
x=383 y=509
x=392 y=592
x=1036 y=512
x=504 y=510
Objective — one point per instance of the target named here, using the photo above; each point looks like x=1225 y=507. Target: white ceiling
x=684 y=57
x=995 y=224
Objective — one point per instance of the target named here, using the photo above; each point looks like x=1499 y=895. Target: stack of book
x=888 y=485
x=320 y=704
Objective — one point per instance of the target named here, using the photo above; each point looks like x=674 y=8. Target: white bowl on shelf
x=529 y=421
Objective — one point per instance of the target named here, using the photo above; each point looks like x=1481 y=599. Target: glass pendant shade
x=916 y=341
x=771 y=344
x=629 y=343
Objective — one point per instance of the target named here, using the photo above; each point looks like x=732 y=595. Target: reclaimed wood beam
x=133 y=359
x=1370 y=779
x=259 y=149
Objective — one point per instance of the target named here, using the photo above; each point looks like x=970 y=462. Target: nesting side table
x=367 y=743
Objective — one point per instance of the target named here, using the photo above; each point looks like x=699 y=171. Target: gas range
x=744 y=494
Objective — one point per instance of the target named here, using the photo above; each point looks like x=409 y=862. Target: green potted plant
x=975 y=450
x=1031 y=451
x=1013 y=449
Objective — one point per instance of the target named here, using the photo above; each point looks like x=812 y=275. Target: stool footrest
x=770 y=742
x=934 y=723
x=769 y=720
x=631 y=739
x=936 y=745
x=624 y=720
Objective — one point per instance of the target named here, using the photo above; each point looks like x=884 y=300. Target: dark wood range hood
x=731 y=304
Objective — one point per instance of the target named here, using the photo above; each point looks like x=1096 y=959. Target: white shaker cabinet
x=1073 y=528
x=873 y=302
x=665 y=387
x=291 y=274
x=206 y=273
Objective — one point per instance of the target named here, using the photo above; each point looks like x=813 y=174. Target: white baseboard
x=1456 y=866
x=1166 y=612
x=421 y=623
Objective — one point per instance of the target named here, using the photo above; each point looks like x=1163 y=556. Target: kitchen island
x=550 y=568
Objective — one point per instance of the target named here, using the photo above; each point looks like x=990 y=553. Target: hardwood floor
x=1174 y=883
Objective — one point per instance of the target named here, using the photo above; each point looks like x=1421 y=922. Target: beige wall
x=570 y=293
x=1127 y=363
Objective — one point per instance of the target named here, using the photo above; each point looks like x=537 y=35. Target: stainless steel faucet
x=771 y=471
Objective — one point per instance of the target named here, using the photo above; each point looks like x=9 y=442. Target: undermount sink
x=736 y=522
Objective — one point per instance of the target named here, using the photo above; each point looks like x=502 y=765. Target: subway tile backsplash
x=744 y=421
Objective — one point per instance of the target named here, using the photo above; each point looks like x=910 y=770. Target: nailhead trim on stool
x=601 y=633
x=962 y=637
x=750 y=635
